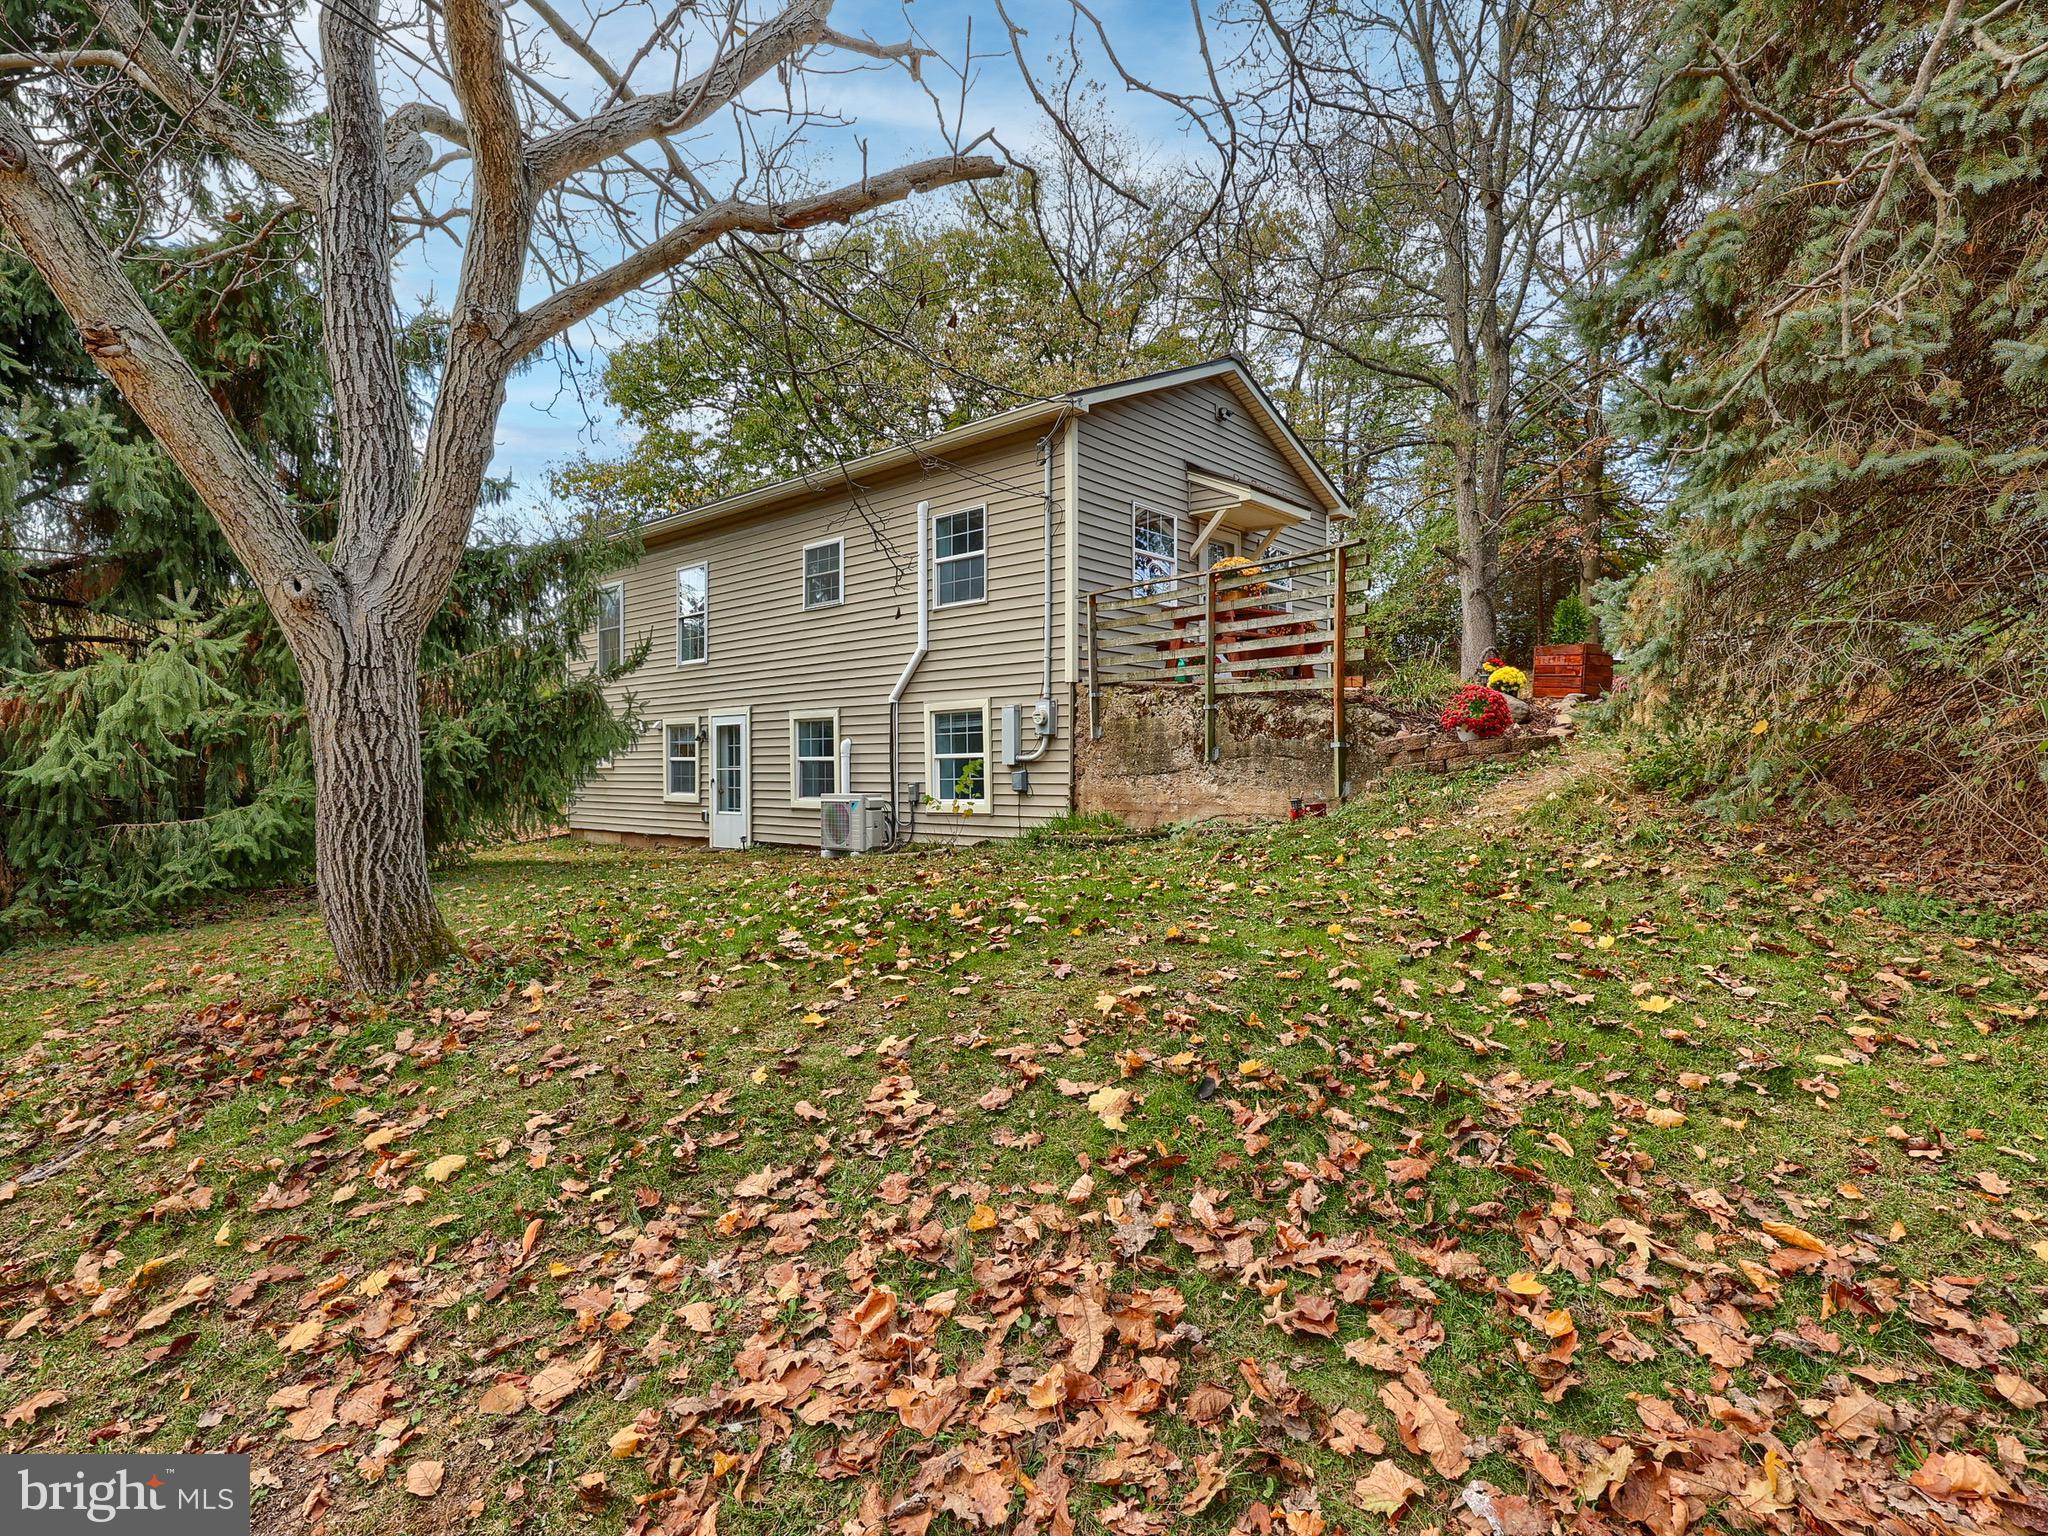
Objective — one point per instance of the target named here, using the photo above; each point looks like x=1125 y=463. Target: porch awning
x=1243 y=509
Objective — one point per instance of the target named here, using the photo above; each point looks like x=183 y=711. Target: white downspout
x=924 y=635
x=1045 y=705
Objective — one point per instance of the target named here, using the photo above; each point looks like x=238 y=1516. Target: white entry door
x=731 y=793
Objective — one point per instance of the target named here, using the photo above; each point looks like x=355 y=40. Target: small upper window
x=693 y=614
x=961 y=556
x=682 y=760
x=611 y=626
x=1155 y=555
x=824 y=573
x=814 y=744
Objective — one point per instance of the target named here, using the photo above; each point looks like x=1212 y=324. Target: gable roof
x=1258 y=406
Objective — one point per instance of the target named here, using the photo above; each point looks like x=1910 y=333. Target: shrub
x=1571 y=621
x=1416 y=685
x=1479 y=709
x=1508 y=679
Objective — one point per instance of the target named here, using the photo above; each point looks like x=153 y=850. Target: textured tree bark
x=370 y=860
x=355 y=616
x=1594 y=515
x=1478 y=556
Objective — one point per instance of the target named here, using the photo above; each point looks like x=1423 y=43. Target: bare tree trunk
x=355 y=615
x=1594 y=512
x=370 y=859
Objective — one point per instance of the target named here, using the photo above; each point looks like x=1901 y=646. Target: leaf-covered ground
x=1588 y=1167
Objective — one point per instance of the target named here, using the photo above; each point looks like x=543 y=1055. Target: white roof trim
x=837 y=477
x=1253 y=395
x=844 y=475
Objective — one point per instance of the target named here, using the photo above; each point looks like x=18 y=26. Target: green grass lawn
x=1482 y=1171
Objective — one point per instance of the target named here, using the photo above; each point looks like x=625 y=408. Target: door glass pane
x=731 y=773
x=1219 y=549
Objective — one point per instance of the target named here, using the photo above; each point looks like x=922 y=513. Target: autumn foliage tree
x=560 y=207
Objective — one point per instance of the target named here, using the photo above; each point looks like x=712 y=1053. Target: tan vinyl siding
x=772 y=657
x=1142 y=447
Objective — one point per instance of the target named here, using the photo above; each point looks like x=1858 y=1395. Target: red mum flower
x=1479 y=709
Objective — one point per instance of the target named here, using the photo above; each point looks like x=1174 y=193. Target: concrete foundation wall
x=1273 y=749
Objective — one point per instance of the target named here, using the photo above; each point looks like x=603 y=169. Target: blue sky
x=554 y=411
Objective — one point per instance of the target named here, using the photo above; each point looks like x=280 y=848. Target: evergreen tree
x=152 y=748
x=1839 y=297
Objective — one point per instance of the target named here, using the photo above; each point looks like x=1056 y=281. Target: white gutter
x=924 y=636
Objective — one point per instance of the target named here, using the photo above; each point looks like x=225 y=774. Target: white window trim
x=803 y=576
x=597 y=647
x=811 y=802
x=1172 y=575
x=946 y=804
x=939 y=560
x=696 y=795
x=705 y=659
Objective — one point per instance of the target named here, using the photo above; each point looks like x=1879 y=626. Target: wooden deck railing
x=1278 y=625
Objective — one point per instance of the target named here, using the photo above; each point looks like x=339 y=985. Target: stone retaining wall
x=1273 y=749
x=1434 y=752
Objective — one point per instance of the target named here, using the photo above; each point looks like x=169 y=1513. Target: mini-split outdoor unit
x=852 y=824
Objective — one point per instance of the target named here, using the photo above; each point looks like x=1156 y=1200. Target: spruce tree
x=1838 y=305
x=152 y=732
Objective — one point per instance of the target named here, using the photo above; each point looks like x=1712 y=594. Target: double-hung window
x=693 y=614
x=960 y=555
x=611 y=626
x=825 y=574
x=814 y=758
x=959 y=753
x=1155 y=552
x=681 y=783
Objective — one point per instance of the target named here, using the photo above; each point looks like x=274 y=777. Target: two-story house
x=909 y=626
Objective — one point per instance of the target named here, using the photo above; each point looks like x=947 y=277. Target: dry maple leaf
x=1949 y=1474
x=1385 y=1490
x=423 y=1479
x=1084 y=1324
x=502 y=1397
x=1429 y=1426
x=1314 y=1315
x=876 y=1313
x=2017 y=1390
x=1351 y=1433
x=1050 y=1390
x=1111 y=1104
x=25 y=1411
x=563 y=1378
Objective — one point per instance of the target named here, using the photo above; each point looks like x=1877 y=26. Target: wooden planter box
x=1563 y=669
